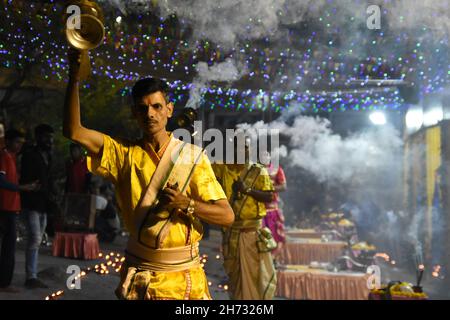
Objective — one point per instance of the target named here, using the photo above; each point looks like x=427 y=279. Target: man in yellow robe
x=163 y=188
x=246 y=245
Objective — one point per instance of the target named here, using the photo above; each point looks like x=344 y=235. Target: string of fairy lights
x=133 y=45
x=111 y=263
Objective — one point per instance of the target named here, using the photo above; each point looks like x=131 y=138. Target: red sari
x=274 y=219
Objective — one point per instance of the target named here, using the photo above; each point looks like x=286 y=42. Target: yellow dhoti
x=251 y=272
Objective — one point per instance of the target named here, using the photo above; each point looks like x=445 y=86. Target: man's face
x=45 y=141
x=15 y=145
x=152 y=112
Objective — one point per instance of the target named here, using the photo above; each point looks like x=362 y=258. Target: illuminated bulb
x=119 y=19
x=209 y=283
x=218 y=257
x=378 y=118
x=107 y=257
x=435 y=274
x=433 y=116
x=414 y=118
x=421 y=267
x=100 y=254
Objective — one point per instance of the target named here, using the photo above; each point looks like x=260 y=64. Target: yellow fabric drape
x=433 y=160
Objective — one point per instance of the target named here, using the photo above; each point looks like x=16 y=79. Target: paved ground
x=98 y=287
x=95 y=286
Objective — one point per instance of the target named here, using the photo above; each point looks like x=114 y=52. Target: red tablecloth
x=76 y=245
x=304 y=251
x=314 y=284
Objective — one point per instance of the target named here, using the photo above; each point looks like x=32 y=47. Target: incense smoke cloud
x=329 y=157
x=225 y=22
x=226 y=71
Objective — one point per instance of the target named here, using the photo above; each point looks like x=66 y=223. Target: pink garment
x=274 y=219
x=76 y=245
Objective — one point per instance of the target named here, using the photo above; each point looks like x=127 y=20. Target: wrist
x=190 y=210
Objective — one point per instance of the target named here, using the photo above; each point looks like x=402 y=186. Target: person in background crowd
x=274 y=218
x=247 y=245
x=77 y=173
x=10 y=206
x=36 y=165
x=107 y=222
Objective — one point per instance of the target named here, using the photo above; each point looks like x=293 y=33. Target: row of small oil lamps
x=114 y=260
x=420 y=268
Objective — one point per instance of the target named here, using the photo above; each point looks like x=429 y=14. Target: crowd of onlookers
x=28 y=190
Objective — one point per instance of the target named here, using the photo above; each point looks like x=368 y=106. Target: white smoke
x=413 y=234
x=329 y=157
x=226 y=71
x=226 y=22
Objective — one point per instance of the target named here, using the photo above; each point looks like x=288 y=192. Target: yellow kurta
x=252 y=209
x=247 y=258
x=130 y=167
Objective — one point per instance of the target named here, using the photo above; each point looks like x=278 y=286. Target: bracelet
x=191 y=207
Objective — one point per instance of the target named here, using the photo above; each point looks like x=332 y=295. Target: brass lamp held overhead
x=88 y=34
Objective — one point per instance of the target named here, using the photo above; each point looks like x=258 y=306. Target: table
x=76 y=245
x=303 y=233
x=304 y=251
x=301 y=282
x=306 y=233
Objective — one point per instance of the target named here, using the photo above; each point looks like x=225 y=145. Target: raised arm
x=91 y=140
